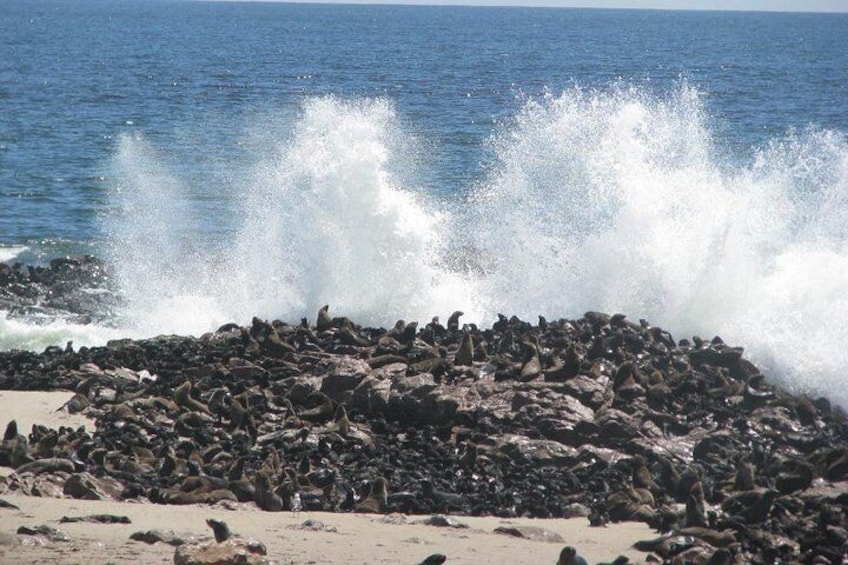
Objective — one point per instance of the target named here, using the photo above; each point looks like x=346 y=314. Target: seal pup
x=568 y=556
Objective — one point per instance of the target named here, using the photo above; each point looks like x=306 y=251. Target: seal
x=13 y=450
x=324 y=322
x=568 y=556
x=266 y=498
x=532 y=366
x=182 y=396
x=219 y=528
x=453 y=321
x=377 y=499
x=435 y=559
x=744 y=479
x=696 y=514
x=342 y=421
x=445 y=501
x=465 y=353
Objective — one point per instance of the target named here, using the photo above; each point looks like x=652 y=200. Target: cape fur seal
x=568 y=556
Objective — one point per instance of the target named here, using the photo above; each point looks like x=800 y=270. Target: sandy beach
x=358 y=538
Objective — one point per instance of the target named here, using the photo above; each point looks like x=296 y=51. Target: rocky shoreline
x=601 y=417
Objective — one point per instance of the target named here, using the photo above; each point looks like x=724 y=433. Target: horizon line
x=554 y=4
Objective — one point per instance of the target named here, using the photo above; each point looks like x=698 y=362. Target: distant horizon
x=781 y=6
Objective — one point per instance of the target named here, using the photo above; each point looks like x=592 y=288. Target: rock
x=345 y=375
x=536 y=451
x=88 y=487
x=234 y=551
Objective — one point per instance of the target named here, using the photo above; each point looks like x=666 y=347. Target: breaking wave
x=619 y=200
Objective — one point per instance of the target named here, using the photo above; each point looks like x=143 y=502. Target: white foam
x=617 y=201
x=11 y=252
x=32 y=335
x=324 y=220
x=611 y=200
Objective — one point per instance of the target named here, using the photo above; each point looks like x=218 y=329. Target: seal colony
x=598 y=417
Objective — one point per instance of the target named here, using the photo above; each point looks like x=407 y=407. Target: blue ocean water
x=240 y=159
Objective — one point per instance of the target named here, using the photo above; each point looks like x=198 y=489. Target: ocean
x=232 y=160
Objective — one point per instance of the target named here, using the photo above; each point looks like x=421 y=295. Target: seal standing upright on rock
x=453 y=321
x=324 y=322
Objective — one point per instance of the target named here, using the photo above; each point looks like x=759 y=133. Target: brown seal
x=219 y=528
x=377 y=499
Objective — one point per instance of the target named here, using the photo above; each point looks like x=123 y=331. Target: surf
x=619 y=199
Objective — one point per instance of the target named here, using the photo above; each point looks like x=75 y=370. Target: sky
x=758 y=5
